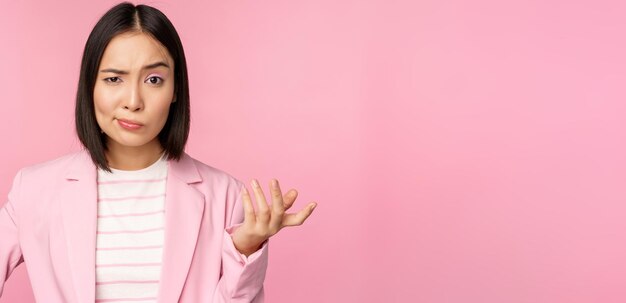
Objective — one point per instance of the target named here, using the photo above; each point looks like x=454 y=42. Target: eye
x=112 y=79
x=155 y=80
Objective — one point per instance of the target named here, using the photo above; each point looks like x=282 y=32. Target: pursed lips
x=130 y=121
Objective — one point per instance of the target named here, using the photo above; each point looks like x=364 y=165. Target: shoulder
x=210 y=174
x=36 y=182
x=54 y=167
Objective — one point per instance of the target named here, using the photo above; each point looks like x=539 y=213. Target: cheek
x=161 y=111
x=161 y=105
x=102 y=102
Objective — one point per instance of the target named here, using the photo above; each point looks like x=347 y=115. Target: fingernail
x=313 y=207
x=254 y=182
x=274 y=183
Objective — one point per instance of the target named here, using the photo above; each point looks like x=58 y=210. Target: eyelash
x=109 y=80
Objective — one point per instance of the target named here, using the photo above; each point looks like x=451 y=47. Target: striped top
x=130 y=234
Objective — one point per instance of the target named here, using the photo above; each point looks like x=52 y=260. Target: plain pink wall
x=460 y=151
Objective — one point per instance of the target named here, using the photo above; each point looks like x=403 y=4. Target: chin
x=132 y=141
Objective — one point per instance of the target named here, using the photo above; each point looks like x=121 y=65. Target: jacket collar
x=184 y=209
x=82 y=167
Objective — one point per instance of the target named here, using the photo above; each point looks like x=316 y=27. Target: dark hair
x=122 y=18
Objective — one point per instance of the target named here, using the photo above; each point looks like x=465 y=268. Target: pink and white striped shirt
x=130 y=233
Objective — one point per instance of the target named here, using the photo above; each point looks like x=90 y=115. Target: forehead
x=134 y=50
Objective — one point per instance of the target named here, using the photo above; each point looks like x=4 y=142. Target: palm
x=267 y=220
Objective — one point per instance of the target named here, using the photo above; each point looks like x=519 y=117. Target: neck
x=133 y=157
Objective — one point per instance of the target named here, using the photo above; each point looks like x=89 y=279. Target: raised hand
x=266 y=221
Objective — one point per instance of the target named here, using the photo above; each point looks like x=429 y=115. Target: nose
x=134 y=100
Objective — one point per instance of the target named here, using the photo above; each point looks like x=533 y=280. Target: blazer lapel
x=79 y=209
x=184 y=209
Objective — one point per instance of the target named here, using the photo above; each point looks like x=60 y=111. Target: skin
x=126 y=89
x=135 y=82
x=266 y=221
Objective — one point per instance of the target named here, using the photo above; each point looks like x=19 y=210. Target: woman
x=132 y=218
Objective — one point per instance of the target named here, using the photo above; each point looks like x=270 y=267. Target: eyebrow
x=123 y=72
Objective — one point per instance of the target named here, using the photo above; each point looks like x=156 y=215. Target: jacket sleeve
x=241 y=277
x=10 y=252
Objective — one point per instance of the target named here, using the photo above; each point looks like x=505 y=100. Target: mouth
x=129 y=124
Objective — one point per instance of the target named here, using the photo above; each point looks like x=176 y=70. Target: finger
x=278 y=209
x=263 y=212
x=249 y=215
x=289 y=198
x=299 y=217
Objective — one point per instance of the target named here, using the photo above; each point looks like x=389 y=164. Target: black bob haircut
x=122 y=18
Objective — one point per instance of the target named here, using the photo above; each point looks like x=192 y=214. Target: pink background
x=460 y=151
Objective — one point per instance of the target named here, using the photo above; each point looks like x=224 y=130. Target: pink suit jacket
x=49 y=223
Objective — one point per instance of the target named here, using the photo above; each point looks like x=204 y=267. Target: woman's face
x=134 y=89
